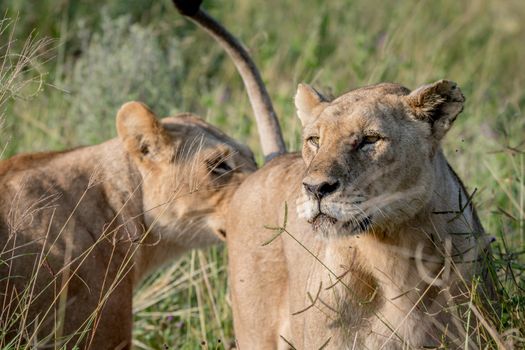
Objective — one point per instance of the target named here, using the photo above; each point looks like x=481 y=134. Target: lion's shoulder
x=277 y=174
x=275 y=182
x=26 y=161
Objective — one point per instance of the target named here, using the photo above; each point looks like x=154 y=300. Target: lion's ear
x=438 y=104
x=141 y=133
x=308 y=103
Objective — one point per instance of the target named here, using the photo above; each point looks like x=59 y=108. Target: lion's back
x=263 y=192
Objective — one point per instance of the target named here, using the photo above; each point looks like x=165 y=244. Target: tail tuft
x=187 y=7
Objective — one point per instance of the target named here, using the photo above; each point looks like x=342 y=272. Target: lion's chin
x=330 y=226
x=322 y=222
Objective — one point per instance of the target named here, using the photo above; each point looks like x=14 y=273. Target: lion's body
x=39 y=214
x=79 y=229
x=386 y=284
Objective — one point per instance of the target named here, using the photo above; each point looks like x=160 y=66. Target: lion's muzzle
x=320 y=189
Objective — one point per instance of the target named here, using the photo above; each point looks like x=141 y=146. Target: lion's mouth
x=322 y=220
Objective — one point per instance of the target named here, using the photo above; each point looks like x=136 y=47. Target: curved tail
x=270 y=134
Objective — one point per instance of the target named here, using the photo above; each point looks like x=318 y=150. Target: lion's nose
x=322 y=189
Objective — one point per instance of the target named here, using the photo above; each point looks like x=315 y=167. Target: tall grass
x=20 y=74
x=144 y=50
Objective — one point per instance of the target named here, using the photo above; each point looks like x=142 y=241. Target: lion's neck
x=409 y=265
x=120 y=178
x=451 y=206
x=447 y=225
x=148 y=251
x=121 y=182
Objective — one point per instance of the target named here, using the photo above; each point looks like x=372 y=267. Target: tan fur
x=373 y=260
x=79 y=229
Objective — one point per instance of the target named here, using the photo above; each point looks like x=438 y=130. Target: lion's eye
x=219 y=167
x=370 y=139
x=314 y=141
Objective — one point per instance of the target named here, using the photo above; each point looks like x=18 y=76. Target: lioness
x=80 y=229
x=380 y=238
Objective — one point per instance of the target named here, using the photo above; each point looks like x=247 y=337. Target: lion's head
x=189 y=169
x=369 y=153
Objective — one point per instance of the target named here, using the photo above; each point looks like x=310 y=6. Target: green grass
x=104 y=55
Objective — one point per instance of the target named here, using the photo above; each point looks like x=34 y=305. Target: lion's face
x=369 y=154
x=190 y=170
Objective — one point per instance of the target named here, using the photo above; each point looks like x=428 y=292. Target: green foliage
x=122 y=62
x=144 y=50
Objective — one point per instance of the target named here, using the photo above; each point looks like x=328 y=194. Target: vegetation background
x=107 y=52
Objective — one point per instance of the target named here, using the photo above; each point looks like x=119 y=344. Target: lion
x=80 y=229
x=367 y=239
x=389 y=238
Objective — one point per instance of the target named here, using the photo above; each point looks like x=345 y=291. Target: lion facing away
x=80 y=229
